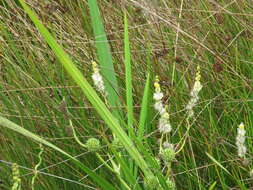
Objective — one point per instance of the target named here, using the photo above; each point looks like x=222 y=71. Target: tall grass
x=47 y=95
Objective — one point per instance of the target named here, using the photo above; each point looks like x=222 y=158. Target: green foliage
x=45 y=98
x=128 y=73
x=104 y=55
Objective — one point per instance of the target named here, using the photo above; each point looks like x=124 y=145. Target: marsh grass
x=41 y=93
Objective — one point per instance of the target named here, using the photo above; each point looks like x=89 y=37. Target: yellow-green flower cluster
x=168 y=154
x=171 y=184
x=93 y=144
x=152 y=183
x=16 y=177
x=98 y=79
x=194 y=93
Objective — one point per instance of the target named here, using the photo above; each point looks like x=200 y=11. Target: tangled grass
x=66 y=124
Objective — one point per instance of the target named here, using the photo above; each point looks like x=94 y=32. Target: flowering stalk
x=240 y=141
x=164 y=123
x=166 y=150
x=158 y=95
x=194 y=93
x=16 y=177
x=98 y=79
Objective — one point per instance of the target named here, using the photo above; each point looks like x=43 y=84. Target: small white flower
x=158 y=96
x=240 y=139
x=242 y=151
x=191 y=103
x=164 y=124
x=240 y=130
x=98 y=82
x=98 y=79
x=159 y=107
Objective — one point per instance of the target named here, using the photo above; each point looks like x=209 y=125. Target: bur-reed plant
x=128 y=156
x=101 y=108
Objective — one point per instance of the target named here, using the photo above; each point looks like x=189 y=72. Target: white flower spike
x=98 y=79
x=158 y=95
x=194 y=93
x=240 y=141
x=164 y=123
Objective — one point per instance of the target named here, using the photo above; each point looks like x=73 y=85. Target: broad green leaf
x=129 y=96
x=144 y=108
x=104 y=55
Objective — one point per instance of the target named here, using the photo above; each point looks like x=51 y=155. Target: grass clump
x=76 y=78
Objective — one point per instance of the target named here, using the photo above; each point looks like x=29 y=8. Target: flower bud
x=171 y=184
x=92 y=144
x=168 y=154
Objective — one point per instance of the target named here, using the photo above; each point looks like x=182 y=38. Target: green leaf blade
x=105 y=56
x=128 y=78
x=144 y=109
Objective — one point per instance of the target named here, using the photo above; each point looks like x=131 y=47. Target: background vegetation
x=167 y=38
